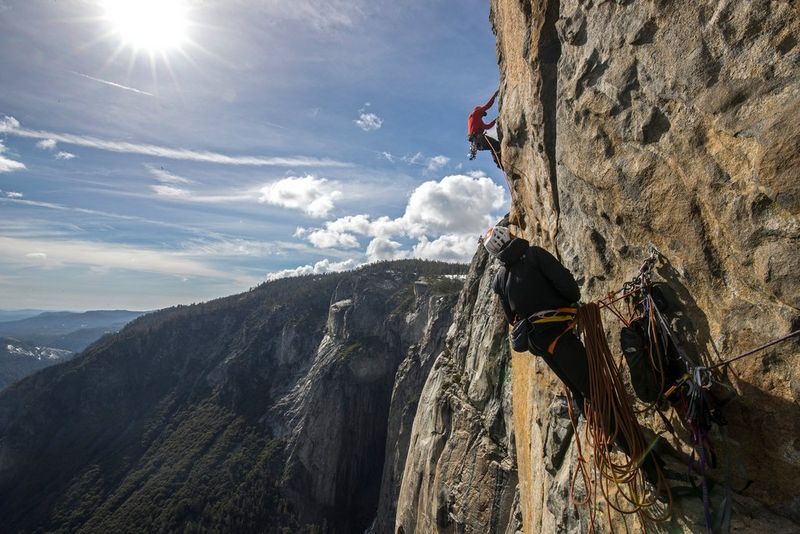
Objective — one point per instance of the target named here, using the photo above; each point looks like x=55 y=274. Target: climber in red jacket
x=476 y=132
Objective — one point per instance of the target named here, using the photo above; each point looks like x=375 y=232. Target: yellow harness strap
x=559 y=315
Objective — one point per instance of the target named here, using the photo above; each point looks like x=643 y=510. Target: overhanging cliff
x=674 y=123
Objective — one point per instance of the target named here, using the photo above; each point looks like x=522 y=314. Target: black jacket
x=537 y=281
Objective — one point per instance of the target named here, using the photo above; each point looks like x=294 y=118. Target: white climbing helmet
x=496 y=238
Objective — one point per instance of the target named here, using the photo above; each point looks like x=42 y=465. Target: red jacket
x=475 y=122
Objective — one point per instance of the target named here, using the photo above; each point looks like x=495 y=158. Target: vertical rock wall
x=460 y=471
x=676 y=123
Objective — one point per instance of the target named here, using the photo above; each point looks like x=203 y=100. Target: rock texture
x=460 y=471
x=625 y=123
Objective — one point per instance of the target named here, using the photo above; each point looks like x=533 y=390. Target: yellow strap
x=554 y=319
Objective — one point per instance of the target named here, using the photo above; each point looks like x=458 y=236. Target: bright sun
x=152 y=25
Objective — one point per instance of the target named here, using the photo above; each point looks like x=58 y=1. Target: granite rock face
x=460 y=470
x=625 y=123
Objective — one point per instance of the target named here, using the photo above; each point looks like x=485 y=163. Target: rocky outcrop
x=460 y=471
x=408 y=384
x=625 y=123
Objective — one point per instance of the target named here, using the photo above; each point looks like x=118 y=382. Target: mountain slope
x=19 y=359
x=67 y=330
x=256 y=412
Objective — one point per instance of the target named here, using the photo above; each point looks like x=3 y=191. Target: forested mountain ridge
x=199 y=417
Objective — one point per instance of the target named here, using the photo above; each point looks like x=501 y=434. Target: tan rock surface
x=672 y=123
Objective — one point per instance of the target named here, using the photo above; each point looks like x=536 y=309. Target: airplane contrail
x=112 y=84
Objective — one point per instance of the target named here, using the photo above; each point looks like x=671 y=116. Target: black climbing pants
x=571 y=366
x=484 y=142
x=568 y=361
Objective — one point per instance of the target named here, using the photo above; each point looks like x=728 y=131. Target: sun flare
x=152 y=25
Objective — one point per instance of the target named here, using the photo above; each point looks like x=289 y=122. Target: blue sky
x=272 y=138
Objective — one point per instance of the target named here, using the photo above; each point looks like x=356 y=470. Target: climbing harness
x=559 y=315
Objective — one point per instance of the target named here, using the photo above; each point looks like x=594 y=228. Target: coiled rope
x=610 y=418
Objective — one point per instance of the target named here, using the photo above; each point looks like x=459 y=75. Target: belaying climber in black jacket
x=539 y=297
x=534 y=286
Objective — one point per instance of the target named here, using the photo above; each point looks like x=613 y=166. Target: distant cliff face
x=258 y=412
x=625 y=123
x=460 y=471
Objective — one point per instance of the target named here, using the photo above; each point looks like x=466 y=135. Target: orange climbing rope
x=610 y=418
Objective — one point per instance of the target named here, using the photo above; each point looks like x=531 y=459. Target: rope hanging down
x=696 y=404
x=611 y=419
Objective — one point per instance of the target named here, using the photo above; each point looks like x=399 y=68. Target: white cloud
x=165 y=176
x=445 y=217
x=413 y=159
x=367 y=120
x=447 y=248
x=11 y=126
x=8 y=123
x=456 y=204
x=322 y=15
x=324 y=238
x=169 y=191
x=321 y=267
x=388 y=156
x=385 y=249
x=57 y=253
x=46 y=144
x=65 y=156
x=314 y=196
x=437 y=162
x=13 y=194
x=9 y=165
x=359 y=224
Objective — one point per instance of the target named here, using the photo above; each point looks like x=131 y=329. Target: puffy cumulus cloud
x=359 y=224
x=314 y=196
x=46 y=144
x=368 y=121
x=451 y=247
x=341 y=233
x=385 y=249
x=10 y=165
x=321 y=267
x=436 y=162
x=325 y=238
x=65 y=156
x=8 y=123
x=6 y=164
x=455 y=204
x=445 y=217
